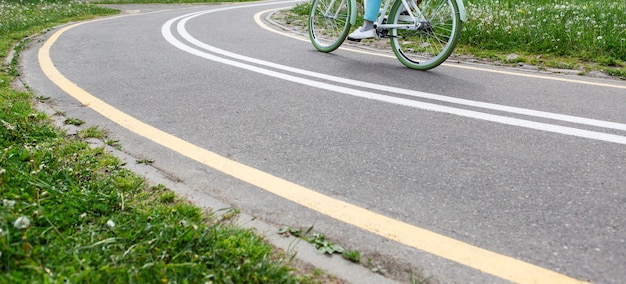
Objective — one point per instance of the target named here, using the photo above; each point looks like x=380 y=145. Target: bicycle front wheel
x=329 y=23
x=430 y=33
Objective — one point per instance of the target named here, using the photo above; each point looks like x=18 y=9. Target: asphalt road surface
x=467 y=172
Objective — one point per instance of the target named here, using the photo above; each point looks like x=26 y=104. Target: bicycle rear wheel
x=329 y=23
x=429 y=42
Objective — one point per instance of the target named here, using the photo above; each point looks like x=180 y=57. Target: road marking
x=257 y=18
x=490 y=106
x=180 y=28
x=489 y=262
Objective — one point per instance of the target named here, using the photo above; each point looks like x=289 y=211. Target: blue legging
x=371 y=9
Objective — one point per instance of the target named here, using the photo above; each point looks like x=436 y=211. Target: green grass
x=92 y=220
x=70 y=213
x=576 y=34
x=20 y=19
x=590 y=30
x=352 y=255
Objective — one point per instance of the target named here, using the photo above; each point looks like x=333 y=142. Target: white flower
x=7 y=125
x=599 y=37
x=111 y=224
x=22 y=223
x=8 y=203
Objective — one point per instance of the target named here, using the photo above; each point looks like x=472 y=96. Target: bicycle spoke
x=328 y=24
x=434 y=38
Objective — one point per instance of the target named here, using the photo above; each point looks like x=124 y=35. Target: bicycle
x=423 y=33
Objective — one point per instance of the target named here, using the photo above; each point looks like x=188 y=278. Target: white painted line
x=180 y=27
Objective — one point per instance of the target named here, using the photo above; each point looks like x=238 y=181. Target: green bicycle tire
x=430 y=45
x=329 y=23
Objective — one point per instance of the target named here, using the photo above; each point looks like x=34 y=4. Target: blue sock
x=367 y=25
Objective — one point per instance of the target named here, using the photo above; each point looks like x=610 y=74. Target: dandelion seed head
x=22 y=223
x=8 y=203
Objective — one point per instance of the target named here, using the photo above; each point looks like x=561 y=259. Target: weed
x=158 y=187
x=145 y=161
x=167 y=197
x=617 y=72
x=317 y=272
x=352 y=255
x=302 y=9
x=91 y=132
x=42 y=98
x=112 y=143
x=287 y=231
x=230 y=214
x=74 y=121
x=318 y=240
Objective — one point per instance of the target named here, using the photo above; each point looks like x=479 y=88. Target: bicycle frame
x=383 y=13
x=385 y=10
x=353 y=13
x=419 y=41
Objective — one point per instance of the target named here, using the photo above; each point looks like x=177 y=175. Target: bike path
x=165 y=139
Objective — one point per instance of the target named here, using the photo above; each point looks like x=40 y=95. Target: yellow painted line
x=257 y=18
x=486 y=261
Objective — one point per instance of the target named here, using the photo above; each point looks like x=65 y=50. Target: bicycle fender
x=353 y=12
x=462 y=13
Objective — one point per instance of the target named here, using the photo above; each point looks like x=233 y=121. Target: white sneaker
x=359 y=34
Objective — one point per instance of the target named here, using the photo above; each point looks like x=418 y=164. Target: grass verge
x=72 y=213
x=581 y=35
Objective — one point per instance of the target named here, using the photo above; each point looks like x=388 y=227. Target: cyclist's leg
x=370 y=16
x=371 y=10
